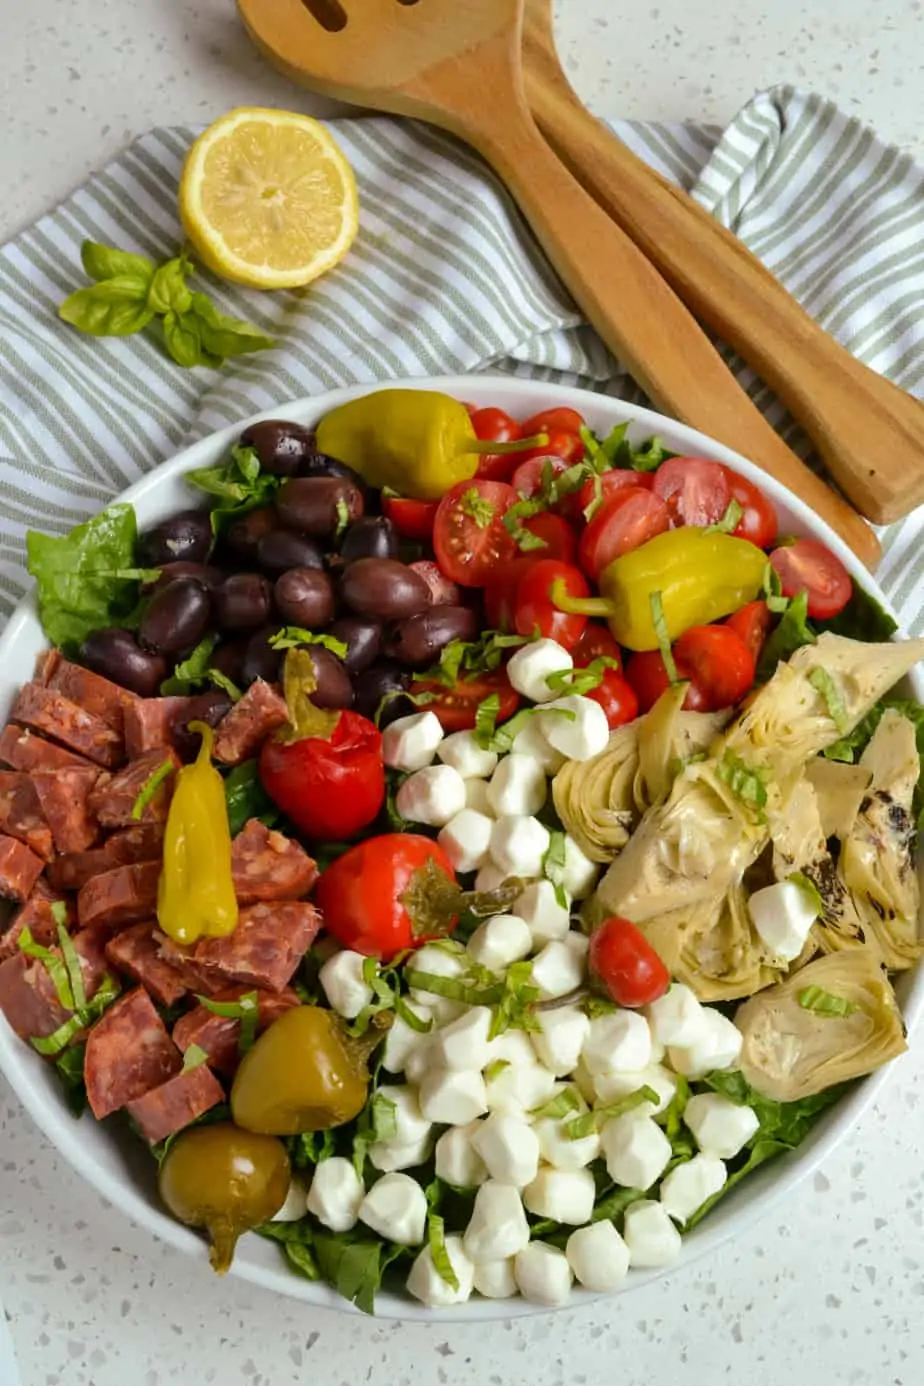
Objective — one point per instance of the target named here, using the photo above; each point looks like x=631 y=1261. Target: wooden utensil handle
x=864 y=427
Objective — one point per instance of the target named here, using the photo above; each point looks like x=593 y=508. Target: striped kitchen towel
x=444 y=278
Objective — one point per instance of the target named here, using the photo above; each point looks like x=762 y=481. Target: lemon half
x=268 y=199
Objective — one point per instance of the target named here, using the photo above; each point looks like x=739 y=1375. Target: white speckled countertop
x=830 y=1288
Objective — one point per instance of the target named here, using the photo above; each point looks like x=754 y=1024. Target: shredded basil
x=805 y=883
x=290 y=637
x=553 y=866
x=745 y=782
x=246 y=1009
x=568 y=1100
x=54 y=966
x=436 y=1241
x=516 y=1007
x=486 y=718
x=660 y=626
x=729 y=521
x=455 y=988
x=225 y=684
x=193 y=1057
x=465 y=658
x=581 y=681
x=826 y=684
x=343 y=519
x=150 y=787
x=588 y=1122
x=825 y=1002
x=495 y=1069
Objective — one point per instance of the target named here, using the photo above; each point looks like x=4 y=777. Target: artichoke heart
x=790 y=1051
x=722 y=957
x=795 y=829
x=668 y=738
x=594 y=799
x=839 y=789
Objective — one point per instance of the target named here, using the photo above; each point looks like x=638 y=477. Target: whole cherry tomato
x=495 y=425
x=413 y=519
x=758 y=516
x=648 y=675
x=752 y=622
x=595 y=641
x=557 y=420
x=534 y=609
x=469 y=538
x=629 y=519
x=609 y=484
x=721 y=664
x=456 y=707
x=561 y=444
x=617 y=698
x=696 y=491
x=808 y=565
x=555 y=533
x=623 y=964
x=329 y=788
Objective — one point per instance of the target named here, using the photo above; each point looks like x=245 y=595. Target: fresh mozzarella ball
x=464 y=1042
x=538 y=906
x=498 y=1227
x=517 y=787
x=688 y=1186
x=410 y=1123
x=783 y=914
x=618 y=1042
x=557 y=969
x=466 y=839
x=543 y=1274
x=559 y=1150
x=567 y=1195
x=520 y=1087
x=509 y=1147
x=598 y=1256
x=391 y=1155
x=432 y=796
x=495 y=1279
x=477 y=797
x=403 y=1040
x=583 y=1080
x=718 y=1046
x=500 y=941
x=462 y=752
x=439 y=962
x=514 y=1046
x=579 y=737
x=336 y=1194
x=636 y=1150
x=528 y=669
x=651 y=1237
x=457 y=1160
x=410 y=743
x=453 y=1097
x=720 y=1127
x=610 y=1087
x=579 y=874
x=344 y=985
x=518 y=845
x=396 y=1208
x=531 y=742
x=426 y=1284
x=579 y=944
x=560 y=1038
x=296 y=1204
x=676 y=1017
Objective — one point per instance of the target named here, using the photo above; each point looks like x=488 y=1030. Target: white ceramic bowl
x=116 y=1164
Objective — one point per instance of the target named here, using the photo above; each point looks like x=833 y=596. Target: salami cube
x=65 y=797
x=21 y=813
x=242 y=731
x=144 y=843
x=218 y=1035
x=24 y=750
x=167 y=1109
x=129 y=1052
x=149 y=724
x=125 y=895
x=20 y=868
x=114 y=800
x=135 y=952
x=28 y=997
x=263 y=951
x=106 y=700
x=50 y=712
x=266 y=865
x=37 y=916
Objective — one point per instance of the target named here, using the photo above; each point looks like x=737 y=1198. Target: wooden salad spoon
x=869 y=432
x=458 y=67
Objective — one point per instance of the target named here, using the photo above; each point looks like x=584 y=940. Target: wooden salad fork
x=869 y=432
x=458 y=66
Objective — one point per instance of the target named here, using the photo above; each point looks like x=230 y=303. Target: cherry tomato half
x=758 y=516
x=696 y=491
x=628 y=520
x=527 y=479
x=557 y=535
x=721 y=664
x=413 y=519
x=752 y=622
x=624 y=965
x=611 y=483
x=617 y=698
x=495 y=426
x=469 y=538
x=559 y=420
x=534 y=610
x=647 y=674
x=562 y=444
x=595 y=641
x=810 y=566
x=456 y=707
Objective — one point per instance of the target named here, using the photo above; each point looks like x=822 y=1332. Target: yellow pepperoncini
x=195 y=896
x=419 y=443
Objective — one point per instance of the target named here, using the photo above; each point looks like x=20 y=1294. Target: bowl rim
x=55 y=1120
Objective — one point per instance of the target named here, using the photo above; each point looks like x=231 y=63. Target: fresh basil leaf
x=793 y=631
x=672 y=1116
x=183 y=340
x=192 y=671
x=354 y=1265
x=300 y=1256
x=309 y=1148
x=224 y=336
x=113 y=308
x=168 y=292
x=245 y=797
x=786 y=1122
x=825 y=1002
x=239 y=486
x=826 y=684
x=150 y=787
x=612 y=1206
x=70 y=1071
x=106 y=262
x=862 y=619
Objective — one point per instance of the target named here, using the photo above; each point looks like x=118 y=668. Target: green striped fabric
x=444 y=278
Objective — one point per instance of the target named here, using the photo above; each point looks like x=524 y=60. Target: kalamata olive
x=418 y=640
x=363 y=639
x=372 y=536
x=117 y=655
x=228 y=658
x=184 y=537
x=243 y=535
x=334 y=687
x=280 y=445
x=385 y=588
x=203 y=707
x=261 y=661
x=208 y=573
x=176 y=617
x=371 y=685
x=305 y=597
x=318 y=505
x=281 y=550
x=243 y=601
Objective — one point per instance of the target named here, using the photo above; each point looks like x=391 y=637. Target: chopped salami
x=167 y=1109
x=144 y=843
x=149 y=724
x=113 y=800
x=128 y=1054
x=218 y=1035
x=24 y=750
x=51 y=712
x=65 y=799
x=37 y=916
x=100 y=696
x=125 y=895
x=20 y=868
x=266 y=865
x=135 y=952
x=263 y=951
x=242 y=730
x=28 y=997
x=21 y=813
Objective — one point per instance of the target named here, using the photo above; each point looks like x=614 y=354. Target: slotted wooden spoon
x=458 y=67
x=869 y=432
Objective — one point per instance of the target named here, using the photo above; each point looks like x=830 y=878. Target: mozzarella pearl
x=543 y=1274
x=598 y=1256
x=396 y=1208
x=410 y=743
x=336 y=1194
